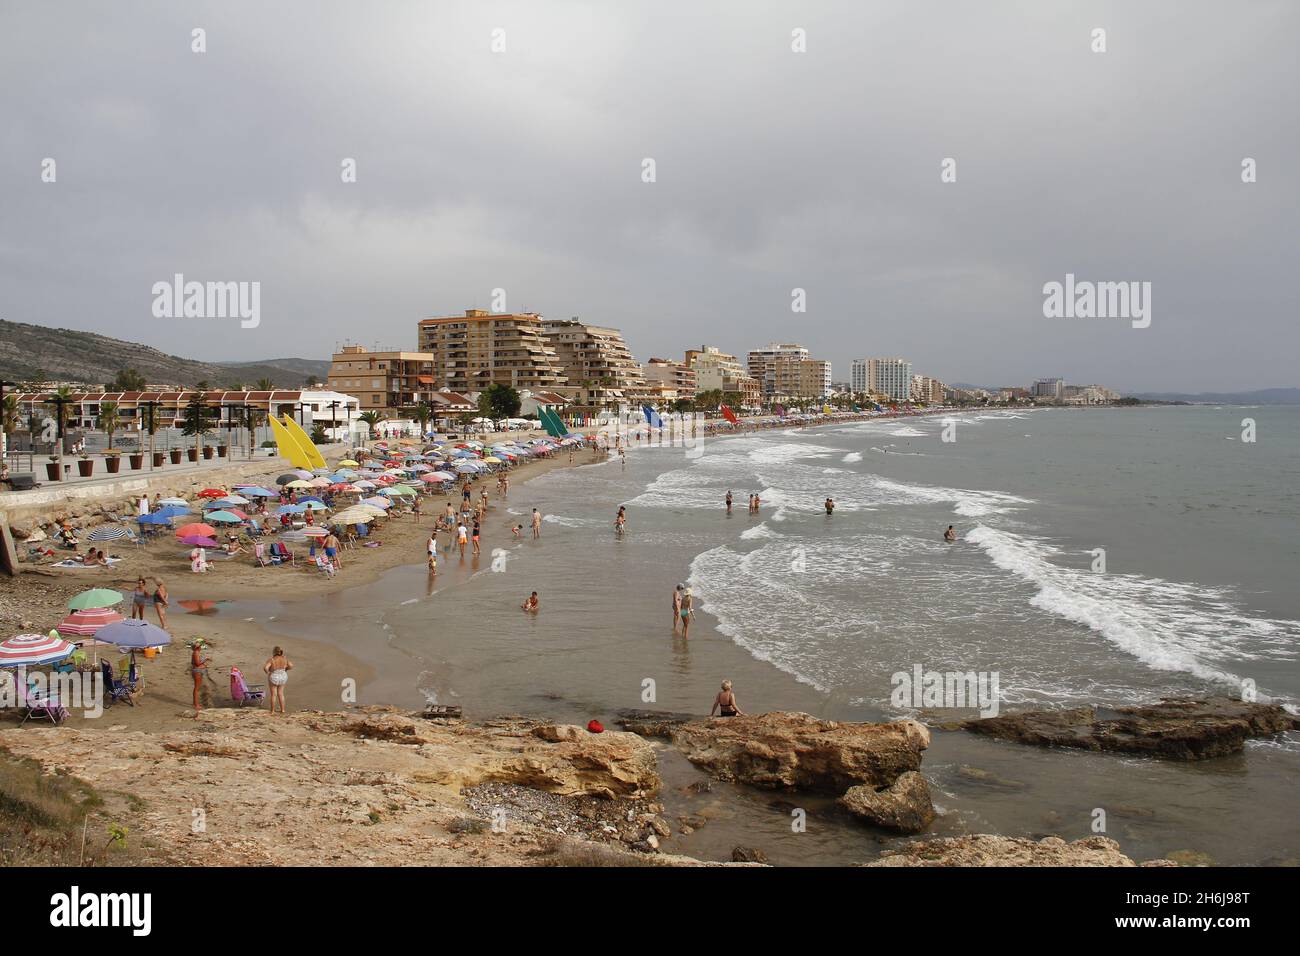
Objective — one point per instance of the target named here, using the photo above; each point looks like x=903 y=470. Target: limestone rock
x=987 y=850
x=905 y=806
x=1175 y=729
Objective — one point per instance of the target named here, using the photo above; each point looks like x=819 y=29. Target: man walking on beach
x=537 y=524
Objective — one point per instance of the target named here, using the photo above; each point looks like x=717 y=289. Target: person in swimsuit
x=532 y=603
x=830 y=506
x=728 y=501
x=198 y=667
x=725 y=703
x=474 y=534
x=139 y=598
x=277 y=675
x=537 y=524
x=620 y=519
x=677 y=605
x=160 y=602
x=685 y=611
x=332 y=550
x=462 y=538
x=950 y=535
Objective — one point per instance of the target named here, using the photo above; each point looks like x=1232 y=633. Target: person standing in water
x=677 y=605
x=725 y=703
x=686 y=611
x=537 y=524
x=728 y=501
x=620 y=519
x=950 y=535
x=830 y=506
x=532 y=603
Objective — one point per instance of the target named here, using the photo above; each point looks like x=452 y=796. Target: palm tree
x=109 y=420
x=423 y=414
x=371 y=418
x=9 y=415
x=265 y=385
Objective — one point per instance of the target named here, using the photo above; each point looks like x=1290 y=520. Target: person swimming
x=532 y=603
x=950 y=535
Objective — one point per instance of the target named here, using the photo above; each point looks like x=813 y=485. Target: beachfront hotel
x=785 y=371
x=715 y=369
x=478 y=349
x=384 y=382
x=890 y=377
x=596 y=363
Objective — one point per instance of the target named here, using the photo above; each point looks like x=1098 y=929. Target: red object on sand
x=212 y=493
x=595 y=727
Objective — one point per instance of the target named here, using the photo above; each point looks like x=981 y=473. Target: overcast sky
x=522 y=170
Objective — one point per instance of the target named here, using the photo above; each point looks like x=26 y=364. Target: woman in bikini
x=160 y=602
x=198 y=667
x=277 y=675
x=686 y=611
x=725 y=703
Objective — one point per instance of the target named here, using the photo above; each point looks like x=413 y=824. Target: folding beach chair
x=281 y=550
x=325 y=565
x=242 y=692
x=115 y=688
x=39 y=706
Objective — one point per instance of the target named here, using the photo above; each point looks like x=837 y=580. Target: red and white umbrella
x=86 y=623
x=29 y=650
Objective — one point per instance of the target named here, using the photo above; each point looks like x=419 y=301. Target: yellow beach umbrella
x=349 y=463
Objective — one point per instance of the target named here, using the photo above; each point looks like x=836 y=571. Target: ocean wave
x=1166 y=625
x=907 y=432
x=852 y=457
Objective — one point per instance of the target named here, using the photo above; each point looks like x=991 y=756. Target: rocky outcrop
x=874 y=767
x=904 y=806
x=799 y=752
x=367 y=786
x=987 y=850
x=1175 y=729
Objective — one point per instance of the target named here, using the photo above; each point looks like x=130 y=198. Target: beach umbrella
x=111 y=532
x=492 y=460
x=219 y=517
x=286 y=478
x=319 y=482
x=349 y=462
x=154 y=518
x=433 y=479
x=172 y=511
x=302 y=473
x=212 y=493
x=257 y=491
x=399 y=491
x=232 y=500
x=175 y=502
x=133 y=635
x=298 y=483
x=377 y=502
x=198 y=541
x=31 y=650
x=320 y=471
x=293 y=537
x=198 y=528
x=315 y=532
x=363 y=484
x=95 y=597
x=86 y=623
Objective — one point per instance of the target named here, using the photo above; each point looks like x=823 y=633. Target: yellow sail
x=304 y=441
x=288 y=445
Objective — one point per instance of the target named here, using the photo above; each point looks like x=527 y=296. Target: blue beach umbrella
x=133 y=635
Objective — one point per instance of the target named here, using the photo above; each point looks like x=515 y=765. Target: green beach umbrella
x=95 y=598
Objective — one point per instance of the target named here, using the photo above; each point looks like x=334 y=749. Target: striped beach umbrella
x=31 y=650
x=95 y=597
x=86 y=623
x=111 y=532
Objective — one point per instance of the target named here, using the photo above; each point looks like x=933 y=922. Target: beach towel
x=77 y=564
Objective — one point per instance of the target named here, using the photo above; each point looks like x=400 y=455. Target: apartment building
x=668 y=381
x=385 y=381
x=478 y=349
x=775 y=367
x=928 y=390
x=858 y=377
x=715 y=369
x=890 y=377
x=596 y=363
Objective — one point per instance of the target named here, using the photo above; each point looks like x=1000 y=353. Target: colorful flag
x=729 y=415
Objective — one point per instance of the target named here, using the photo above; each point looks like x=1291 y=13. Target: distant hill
x=30 y=352
x=1263 y=396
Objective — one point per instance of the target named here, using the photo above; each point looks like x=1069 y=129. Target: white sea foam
x=852 y=456
x=1166 y=625
x=907 y=432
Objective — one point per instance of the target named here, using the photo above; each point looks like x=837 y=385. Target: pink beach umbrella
x=32 y=650
x=86 y=623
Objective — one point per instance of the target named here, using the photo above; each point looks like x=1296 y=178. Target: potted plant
x=197 y=421
x=52 y=469
x=192 y=454
x=110 y=421
x=137 y=460
x=207 y=452
x=112 y=460
x=175 y=455
x=222 y=448
x=85 y=467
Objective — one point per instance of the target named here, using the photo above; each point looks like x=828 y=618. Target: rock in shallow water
x=1175 y=729
x=904 y=807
